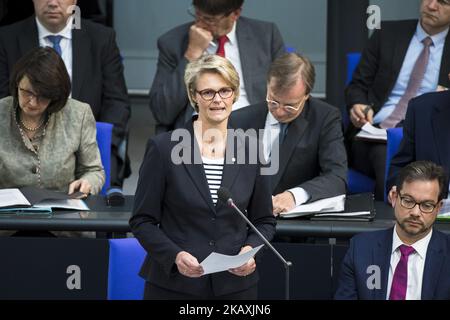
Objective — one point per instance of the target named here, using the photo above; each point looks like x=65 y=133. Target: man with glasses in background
x=218 y=28
x=410 y=261
x=312 y=158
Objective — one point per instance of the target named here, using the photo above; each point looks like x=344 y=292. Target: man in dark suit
x=251 y=46
x=403 y=59
x=312 y=159
x=410 y=261
x=91 y=57
x=425 y=133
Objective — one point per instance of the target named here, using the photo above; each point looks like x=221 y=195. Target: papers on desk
x=369 y=132
x=32 y=199
x=444 y=214
x=217 y=262
x=334 y=204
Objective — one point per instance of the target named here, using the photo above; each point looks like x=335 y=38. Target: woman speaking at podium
x=177 y=217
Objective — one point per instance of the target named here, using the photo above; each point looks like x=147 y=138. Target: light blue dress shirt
x=430 y=81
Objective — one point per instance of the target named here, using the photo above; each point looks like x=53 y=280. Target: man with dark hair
x=92 y=60
x=402 y=60
x=425 y=133
x=219 y=28
x=301 y=133
x=410 y=261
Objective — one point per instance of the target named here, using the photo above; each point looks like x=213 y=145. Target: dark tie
x=283 y=132
x=400 y=279
x=417 y=74
x=55 y=40
x=221 y=49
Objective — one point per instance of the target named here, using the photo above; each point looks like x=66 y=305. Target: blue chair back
x=352 y=61
x=104 y=138
x=394 y=137
x=125 y=259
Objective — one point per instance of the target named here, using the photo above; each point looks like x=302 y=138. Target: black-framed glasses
x=29 y=95
x=272 y=104
x=209 y=94
x=209 y=20
x=409 y=203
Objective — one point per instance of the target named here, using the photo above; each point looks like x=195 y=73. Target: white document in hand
x=368 y=131
x=217 y=262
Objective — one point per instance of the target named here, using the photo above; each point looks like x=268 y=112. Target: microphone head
x=223 y=194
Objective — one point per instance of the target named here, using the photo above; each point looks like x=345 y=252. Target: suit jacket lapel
x=81 y=48
x=196 y=170
x=231 y=167
x=401 y=47
x=382 y=258
x=440 y=117
x=29 y=36
x=433 y=264
x=246 y=54
x=295 y=132
x=445 y=64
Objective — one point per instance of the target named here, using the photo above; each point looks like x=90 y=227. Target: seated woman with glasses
x=177 y=216
x=47 y=140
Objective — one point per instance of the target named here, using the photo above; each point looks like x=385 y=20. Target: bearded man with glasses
x=301 y=132
x=411 y=260
x=218 y=28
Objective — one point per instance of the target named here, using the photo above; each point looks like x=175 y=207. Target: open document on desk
x=32 y=199
x=358 y=207
x=444 y=214
x=369 y=132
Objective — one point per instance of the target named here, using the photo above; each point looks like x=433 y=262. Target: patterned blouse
x=63 y=150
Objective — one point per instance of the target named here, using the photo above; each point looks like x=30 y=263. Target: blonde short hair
x=210 y=64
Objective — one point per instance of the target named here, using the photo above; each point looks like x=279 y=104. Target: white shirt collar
x=420 y=246
x=437 y=38
x=232 y=35
x=65 y=33
x=271 y=119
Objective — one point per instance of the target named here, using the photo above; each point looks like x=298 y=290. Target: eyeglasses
x=28 y=95
x=211 y=21
x=288 y=108
x=409 y=203
x=209 y=94
x=444 y=2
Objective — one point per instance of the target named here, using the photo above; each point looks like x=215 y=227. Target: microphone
x=225 y=196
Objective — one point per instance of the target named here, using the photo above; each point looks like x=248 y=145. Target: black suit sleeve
x=115 y=102
x=347 y=283
x=332 y=160
x=364 y=74
x=406 y=152
x=147 y=209
x=168 y=97
x=260 y=211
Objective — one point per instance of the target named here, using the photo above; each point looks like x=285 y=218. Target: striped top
x=213 y=171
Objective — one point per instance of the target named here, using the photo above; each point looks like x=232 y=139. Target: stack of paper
x=334 y=204
x=370 y=132
x=31 y=199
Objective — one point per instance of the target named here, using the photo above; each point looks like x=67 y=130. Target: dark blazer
x=426 y=133
x=173 y=211
x=381 y=62
x=312 y=155
x=97 y=77
x=259 y=44
x=374 y=249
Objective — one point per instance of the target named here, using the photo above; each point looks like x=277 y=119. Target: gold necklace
x=31 y=129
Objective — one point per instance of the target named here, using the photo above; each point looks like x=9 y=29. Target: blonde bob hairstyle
x=210 y=64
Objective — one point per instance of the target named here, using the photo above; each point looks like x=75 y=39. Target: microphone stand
x=287 y=264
